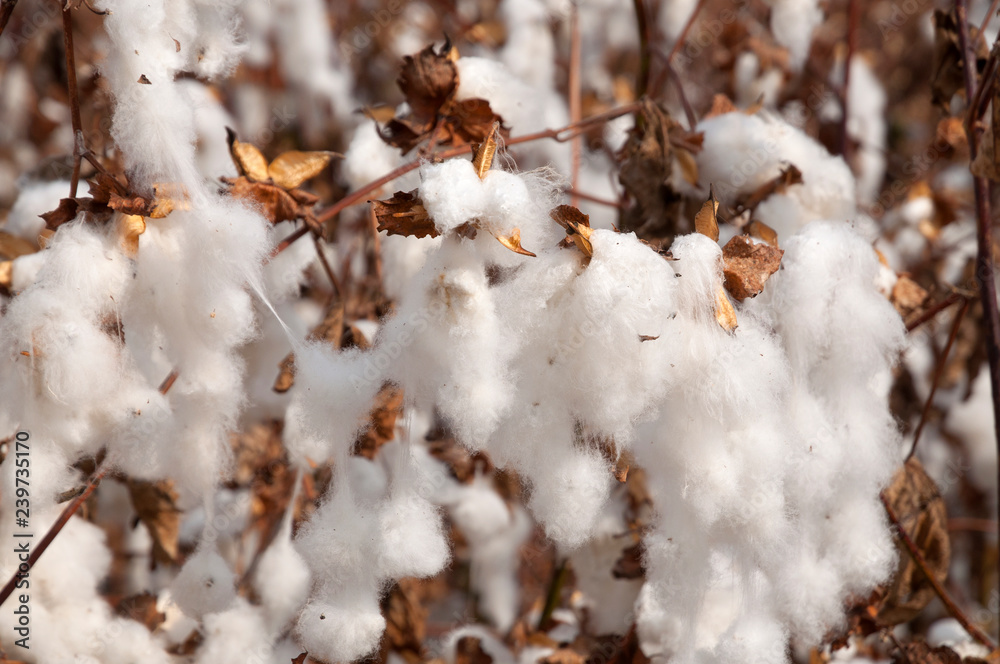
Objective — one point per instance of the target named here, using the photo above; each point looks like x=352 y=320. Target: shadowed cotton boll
x=205 y=584
x=236 y=636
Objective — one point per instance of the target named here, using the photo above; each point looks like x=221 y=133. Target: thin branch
x=938 y=372
x=593 y=199
x=990 y=13
x=74 y=99
x=934 y=310
x=376 y=244
x=957 y=523
x=6 y=9
x=552 y=596
x=688 y=110
x=682 y=37
x=561 y=135
x=945 y=598
x=984 y=233
x=326 y=268
x=574 y=93
x=854 y=18
x=645 y=55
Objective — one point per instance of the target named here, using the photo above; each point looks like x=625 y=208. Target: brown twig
x=645 y=55
x=593 y=199
x=854 y=18
x=971 y=523
x=682 y=37
x=990 y=13
x=938 y=372
x=984 y=232
x=326 y=267
x=688 y=110
x=74 y=99
x=560 y=135
x=934 y=310
x=575 y=98
x=942 y=594
x=376 y=244
x=6 y=9
x=552 y=596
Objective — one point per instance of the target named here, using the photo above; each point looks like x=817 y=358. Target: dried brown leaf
x=706 y=221
x=382 y=421
x=920 y=652
x=747 y=265
x=689 y=167
x=721 y=104
x=917 y=502
x=469 y=650
x=788 y=176
x=249 y=160
x=513 y=242
x=629 y=565
x=66 y=212
x=577 y=227
x=142 y=609
x=274 y=203
x=290 y=169
x=404 y=214
x=428 y=79
x=646 y=166
x=761 y=231
x=907 y=296
x=155 y=505
x=482 y=158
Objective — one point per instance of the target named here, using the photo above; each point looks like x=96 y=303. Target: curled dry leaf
x=577 y=227
x=747 y=265
x=761 y=231
x=250 y=162
x=513 y=242
x=429 y=81
x=155 y=505
x=918 y=504
x=706 y=221
x=275 y=203
x=404 y=214
x=66 y=212
x=290 y=169
x=629 y=565
x=646 y=165
x=381 y=421
x=482 y=158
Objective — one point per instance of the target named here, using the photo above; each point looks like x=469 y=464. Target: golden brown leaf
x=513 y=242
x=482 y=158
x=404 y=214
x=761 y=231
x=290 y=169
x=721 y=104
x=689 y=167
x=706 y=221
x=250 y=162
x=917 y=503
x=382 y=421
x=274 y=203
x=725 y=315
x=6 y=274
x=577 y=227
x=406 y=616
x=747 y=265
x=167 y=197
x=130 y=227
x=129 y=205
x=155 y=505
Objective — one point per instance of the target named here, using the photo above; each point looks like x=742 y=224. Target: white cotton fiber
x=238 y=635
x=793 y=22
x=35 y=198
x=204 y=585
x=282 y=580
x=742 y=152
x=453 y=194
x=413 y=541
x=344 y=629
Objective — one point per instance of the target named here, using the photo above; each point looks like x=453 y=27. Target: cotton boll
x=338 y=541
x=235 y=636
x=752 y=639
x=34 y=199
x=204 y=585
x=742 y=152
x=332 y=395
x=453 y=194
x=793 y=22
x=282 y=580
x=342 y=629
x=413 y=541
x=567 y=496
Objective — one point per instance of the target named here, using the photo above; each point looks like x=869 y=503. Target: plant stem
x=74 y=99
x=6 y=9
x=574 y=93
x=942 y=594
x=645 y=55
x=984 y=232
